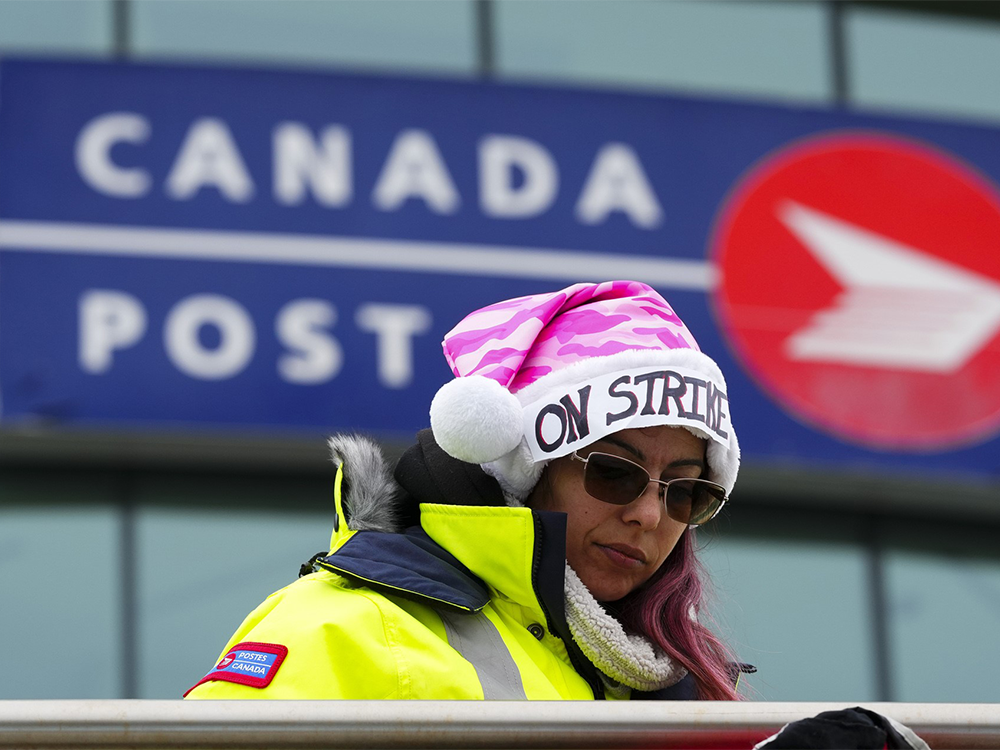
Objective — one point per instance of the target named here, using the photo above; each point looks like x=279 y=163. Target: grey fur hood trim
x=369 y=493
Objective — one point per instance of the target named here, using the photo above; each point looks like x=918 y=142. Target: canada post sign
x=248 y=249
x=242 y=248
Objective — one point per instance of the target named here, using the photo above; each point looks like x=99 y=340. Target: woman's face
x=617 y=548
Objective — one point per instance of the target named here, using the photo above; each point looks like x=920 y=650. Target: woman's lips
x=623 y=555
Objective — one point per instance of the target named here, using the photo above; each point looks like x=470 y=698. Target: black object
x=310 y=565
x=847 y=729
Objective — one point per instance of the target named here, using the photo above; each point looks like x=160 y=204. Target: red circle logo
x=860 y=287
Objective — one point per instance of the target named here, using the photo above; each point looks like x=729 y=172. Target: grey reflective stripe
x=479 y=641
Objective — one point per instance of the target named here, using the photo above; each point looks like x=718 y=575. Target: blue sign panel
x=212 y=248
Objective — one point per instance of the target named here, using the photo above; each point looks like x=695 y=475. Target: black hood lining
x=429 y=475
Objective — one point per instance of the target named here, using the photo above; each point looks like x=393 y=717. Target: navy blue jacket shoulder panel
x=408 y=564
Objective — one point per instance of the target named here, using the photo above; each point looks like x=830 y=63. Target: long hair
x=665 y=610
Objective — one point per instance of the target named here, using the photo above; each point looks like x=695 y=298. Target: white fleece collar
x=626 y=660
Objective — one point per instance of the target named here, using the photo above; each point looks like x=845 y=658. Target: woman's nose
x=647 y=509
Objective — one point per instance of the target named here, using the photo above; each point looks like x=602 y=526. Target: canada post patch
x=248 y=663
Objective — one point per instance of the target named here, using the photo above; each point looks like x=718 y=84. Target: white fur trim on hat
x=475 y=419
x=517 y=472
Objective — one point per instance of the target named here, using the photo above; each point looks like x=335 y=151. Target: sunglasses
x=618 y=481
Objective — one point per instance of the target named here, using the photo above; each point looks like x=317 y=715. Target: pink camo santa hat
x=541 y=376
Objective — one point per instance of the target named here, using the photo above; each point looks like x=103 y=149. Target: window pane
x=67 y=26
x=923 y=62
x=760 y=49
x=60 y=590
x=203 y=566
x=944 y=615
x=433 y=35
x=795 y=605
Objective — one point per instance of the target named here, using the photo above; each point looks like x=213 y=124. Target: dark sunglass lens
x=680 y=498
x=614 y=480
x=694 y=502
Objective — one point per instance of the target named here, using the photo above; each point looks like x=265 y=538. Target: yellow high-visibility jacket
x=466 y=605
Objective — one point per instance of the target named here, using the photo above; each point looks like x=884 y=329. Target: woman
x=535 y=542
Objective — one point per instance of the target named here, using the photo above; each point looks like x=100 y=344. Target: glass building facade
x=125 y=564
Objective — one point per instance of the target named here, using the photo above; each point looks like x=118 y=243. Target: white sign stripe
x=351 y=252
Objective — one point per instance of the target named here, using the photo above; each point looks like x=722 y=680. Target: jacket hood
x=377 y=499
x=464 y=541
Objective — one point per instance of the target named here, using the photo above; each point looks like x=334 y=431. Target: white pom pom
x=475 y=419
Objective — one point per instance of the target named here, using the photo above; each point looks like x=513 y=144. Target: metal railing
x=402 y=725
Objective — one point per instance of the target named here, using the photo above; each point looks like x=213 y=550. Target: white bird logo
x=901 y=307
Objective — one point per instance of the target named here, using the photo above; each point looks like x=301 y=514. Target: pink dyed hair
x=661 y=610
